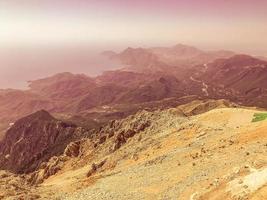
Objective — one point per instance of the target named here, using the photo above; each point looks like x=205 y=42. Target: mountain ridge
x=33 y=139
x=67 y=94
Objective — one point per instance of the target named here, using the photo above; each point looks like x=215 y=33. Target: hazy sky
x=234 y=24
x=238 y=25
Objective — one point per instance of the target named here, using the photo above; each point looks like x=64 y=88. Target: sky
x=238 y=25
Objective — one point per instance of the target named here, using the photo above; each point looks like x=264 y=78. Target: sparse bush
x=259 y=117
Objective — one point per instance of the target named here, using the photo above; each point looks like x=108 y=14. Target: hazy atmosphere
x=40 y=29
x=133 y=99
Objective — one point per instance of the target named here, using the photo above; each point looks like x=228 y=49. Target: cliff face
x=34 y=139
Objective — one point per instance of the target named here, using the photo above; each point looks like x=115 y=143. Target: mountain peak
x=27 y=142
x=243 y=59
x=131 y=49
x=42 y=114
x=38 y=116
x=183 y=46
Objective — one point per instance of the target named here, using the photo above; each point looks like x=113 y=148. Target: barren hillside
x=202 y=150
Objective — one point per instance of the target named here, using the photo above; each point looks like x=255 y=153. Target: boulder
x=73 y=149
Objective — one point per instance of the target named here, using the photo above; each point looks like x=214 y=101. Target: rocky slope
x=201 y=150
x=207 y=156
x=240 y=78
x=34 y=139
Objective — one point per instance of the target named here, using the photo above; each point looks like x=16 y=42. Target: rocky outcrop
x=34 y=139
x=117 y=132
x=95 y=167
x=47 y=169
x=125 y=134
x=73 y=149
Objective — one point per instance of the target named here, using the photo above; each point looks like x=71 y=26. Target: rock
x=46 y=170
x=92 y=170
x=110 y=134
x=135 y=157
x=95 y=145
x=129 y=133
x=73 y=149
x=95 y=167
x=143 y=126
x=120 y=140
x=245 y=186
x=102 y=140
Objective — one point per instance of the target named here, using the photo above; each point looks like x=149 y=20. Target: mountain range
x=149 y=75
x=162 y=101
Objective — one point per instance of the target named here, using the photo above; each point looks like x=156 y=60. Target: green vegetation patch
x=259 y=117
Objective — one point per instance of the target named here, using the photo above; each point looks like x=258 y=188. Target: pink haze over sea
x=76 y=28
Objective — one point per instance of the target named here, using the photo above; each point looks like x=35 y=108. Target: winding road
x=204 y=85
